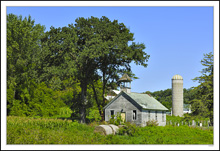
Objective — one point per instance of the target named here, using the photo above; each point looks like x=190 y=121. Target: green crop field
x=26 y=130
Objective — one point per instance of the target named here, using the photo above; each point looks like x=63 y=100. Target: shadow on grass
x=64 y=118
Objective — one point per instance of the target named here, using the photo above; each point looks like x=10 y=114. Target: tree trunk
x=96 y=99
x=103 y=94
x=211 y=120
x=83 y=101
x=82 y=115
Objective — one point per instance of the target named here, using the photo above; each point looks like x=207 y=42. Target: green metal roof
x=146 y=101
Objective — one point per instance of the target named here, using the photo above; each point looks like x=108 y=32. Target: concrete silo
x=177 y=95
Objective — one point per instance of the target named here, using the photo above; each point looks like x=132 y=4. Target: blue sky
x=175 y=37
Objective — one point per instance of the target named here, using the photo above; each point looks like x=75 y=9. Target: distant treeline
x=165 y=96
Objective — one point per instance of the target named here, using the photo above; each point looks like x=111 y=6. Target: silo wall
x=177 y=97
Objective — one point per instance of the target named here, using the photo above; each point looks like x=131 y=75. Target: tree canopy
x=85 y=58
x=203 y=104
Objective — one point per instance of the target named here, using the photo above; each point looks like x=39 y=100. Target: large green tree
x=23 y=50
x=81 y=57
x=27 y=95
x=58 y=64
x=97 y=49
x=100 y=51
x=203 y=104
x=72 y=53
x=115 y=55
x=61 y=68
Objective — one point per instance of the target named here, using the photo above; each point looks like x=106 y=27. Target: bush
x=152 y=123
x=128 y=129
x=94 y=115
x=116 y=119
x=64 y=112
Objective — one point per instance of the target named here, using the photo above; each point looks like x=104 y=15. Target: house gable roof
x=113 y=99
x=146 y=101
x=143 y=100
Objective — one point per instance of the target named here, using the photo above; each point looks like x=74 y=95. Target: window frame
x=134 y=111
x=112 y=111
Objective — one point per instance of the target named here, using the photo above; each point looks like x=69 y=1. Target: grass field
x=26 y=130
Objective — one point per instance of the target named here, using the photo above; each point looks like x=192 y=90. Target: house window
x=156 y=115
x=134 y=115
x=148 y=115
x=112 y=112
x=163 y=120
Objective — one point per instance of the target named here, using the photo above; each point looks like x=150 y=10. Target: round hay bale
x=114 y=128
x=104 y=129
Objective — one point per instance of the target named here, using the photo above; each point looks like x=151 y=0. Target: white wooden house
x=135 y=107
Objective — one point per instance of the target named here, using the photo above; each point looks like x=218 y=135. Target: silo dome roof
x=177 y=77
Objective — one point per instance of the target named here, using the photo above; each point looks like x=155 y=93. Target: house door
x=123 y=115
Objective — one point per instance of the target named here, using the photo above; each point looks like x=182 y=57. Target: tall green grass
x=186 y=120
x=26 y=130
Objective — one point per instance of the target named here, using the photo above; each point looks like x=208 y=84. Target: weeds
x=152 y=123
x=116 y=119
x=27 y=130
x=129 y=129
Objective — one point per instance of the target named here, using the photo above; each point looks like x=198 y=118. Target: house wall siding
x=145 y=117
x=124 y=104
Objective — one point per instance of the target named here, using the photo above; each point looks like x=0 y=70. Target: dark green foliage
x=199 y=108
x=58 y=66
x=188 y=95
x=23 y=61
x=23 y=130
x=38 y=101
